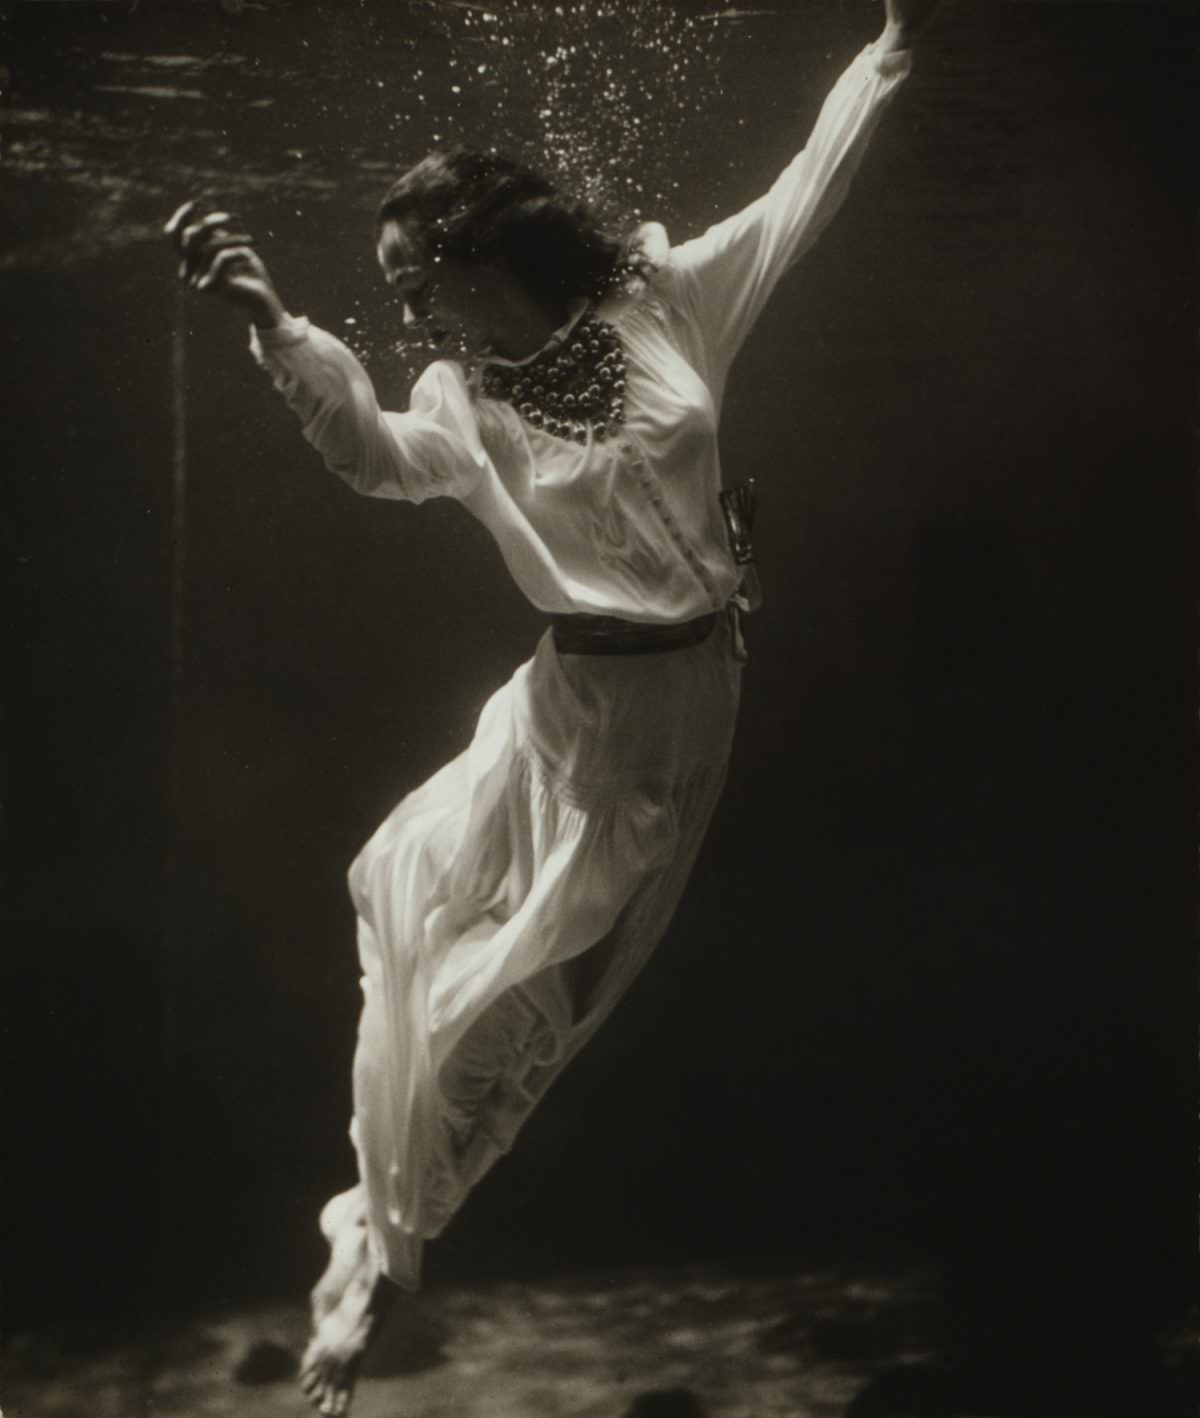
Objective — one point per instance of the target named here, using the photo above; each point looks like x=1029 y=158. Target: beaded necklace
x=573 y=390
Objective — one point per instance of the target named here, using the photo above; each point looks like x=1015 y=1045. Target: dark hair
x=483 y=207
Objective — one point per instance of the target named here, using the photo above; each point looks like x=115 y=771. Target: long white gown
x=505 y=906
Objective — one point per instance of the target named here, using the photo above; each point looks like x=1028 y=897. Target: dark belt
x=606 y=635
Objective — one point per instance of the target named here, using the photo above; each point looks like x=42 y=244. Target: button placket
x=654 y=495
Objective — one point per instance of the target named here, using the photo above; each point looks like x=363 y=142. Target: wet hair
x=484 y=207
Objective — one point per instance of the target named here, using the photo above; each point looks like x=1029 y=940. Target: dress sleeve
x=725 y=277
x=433 y=450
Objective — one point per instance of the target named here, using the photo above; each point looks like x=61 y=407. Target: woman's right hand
x=214 y=256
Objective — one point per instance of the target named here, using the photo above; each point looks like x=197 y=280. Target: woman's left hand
x=905 y=20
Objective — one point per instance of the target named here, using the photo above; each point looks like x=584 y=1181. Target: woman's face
x=448 y=299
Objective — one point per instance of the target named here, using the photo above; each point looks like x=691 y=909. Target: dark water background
x=932 y=990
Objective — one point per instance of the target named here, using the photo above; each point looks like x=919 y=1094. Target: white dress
x=506 y=904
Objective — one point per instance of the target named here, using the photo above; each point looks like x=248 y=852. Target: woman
x=506 y=905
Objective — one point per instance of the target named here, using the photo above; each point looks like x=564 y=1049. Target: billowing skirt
x=506 y=905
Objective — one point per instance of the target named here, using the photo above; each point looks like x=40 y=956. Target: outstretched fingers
x=195 y=241
x=231 y=252
x=200 y=240
x=217 y=255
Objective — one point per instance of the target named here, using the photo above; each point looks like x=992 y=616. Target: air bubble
x=611 y=98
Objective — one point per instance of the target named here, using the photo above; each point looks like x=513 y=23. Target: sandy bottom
x=696 y=1344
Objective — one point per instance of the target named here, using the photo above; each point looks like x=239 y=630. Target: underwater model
x=506 y=905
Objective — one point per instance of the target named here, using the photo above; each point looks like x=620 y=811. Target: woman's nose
x=412 y=316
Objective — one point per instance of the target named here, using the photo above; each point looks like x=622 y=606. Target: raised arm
x=432 y=450
x=905 y=21
x=724 y=278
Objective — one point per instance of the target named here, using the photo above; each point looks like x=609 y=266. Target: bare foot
x=348 y=1302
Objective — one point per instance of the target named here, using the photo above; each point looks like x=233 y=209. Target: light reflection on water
x=325 y=101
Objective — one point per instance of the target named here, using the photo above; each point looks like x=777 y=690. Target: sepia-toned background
x=930 y=998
